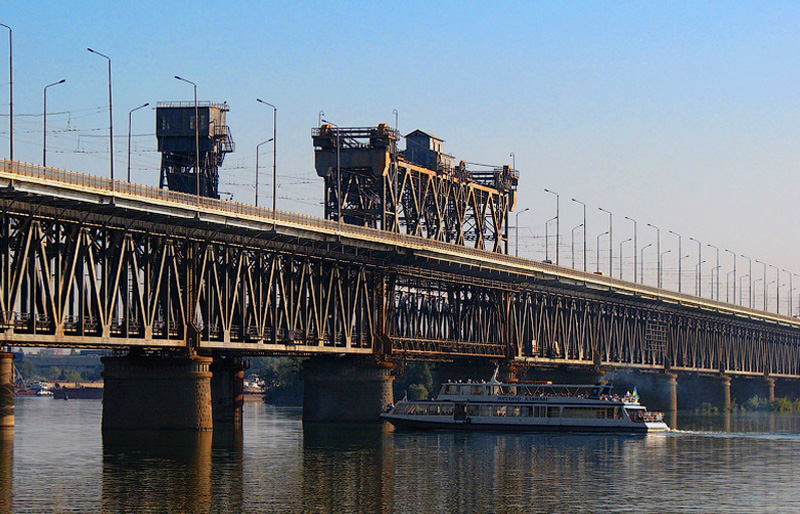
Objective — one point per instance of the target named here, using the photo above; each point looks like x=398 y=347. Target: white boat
x=526 y=406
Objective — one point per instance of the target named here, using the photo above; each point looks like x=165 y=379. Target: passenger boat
x=526 y=406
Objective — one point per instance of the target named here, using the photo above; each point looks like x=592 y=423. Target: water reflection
x=6 y=469
x=347 y=468
x=171 y=471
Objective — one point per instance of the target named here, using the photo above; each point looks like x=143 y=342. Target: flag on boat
x=635 y=395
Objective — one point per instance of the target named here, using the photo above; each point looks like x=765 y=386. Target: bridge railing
x=121 y=189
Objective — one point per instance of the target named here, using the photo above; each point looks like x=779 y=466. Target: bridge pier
x=6 y=390
x=227 y=388
x=157 y=393
x=345 y=389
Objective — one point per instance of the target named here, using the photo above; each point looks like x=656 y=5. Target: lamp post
x=257 y=147
x=44 y=119
x=734 y=278
x=396 y=118
x=658 y=252
x=749 y=283
x=756 y=281
x=130 y=117
x=766 y=288
x=741 y=288
x=765 y=283
x=572 y=245
x=791 y=290
x=10 y=94
x=547 y=240
x=516 y=231
x=610 y=241
x=777 y=289
x=338 y=176
x=620 y=257
x=110 y=118
x=585 y=268
x=558 y=221
x=196 y=136
x=513 y=160
x=712 y=275
x=635 y=245
x=641 y=262
x=698 y=276
x=661 y=267
x=274 y=157
x=598 y=249
x=698 y=290
x=680 y=259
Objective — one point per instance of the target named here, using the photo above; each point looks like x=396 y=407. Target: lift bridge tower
x=179 y=140
x=419 y=191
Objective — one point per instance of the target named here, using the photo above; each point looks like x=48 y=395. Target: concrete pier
x=6 y=390
x=345 y=389
x=745 y=388
x=157 y=393
x=227 y=388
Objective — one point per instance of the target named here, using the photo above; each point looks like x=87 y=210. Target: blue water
x=58 y=461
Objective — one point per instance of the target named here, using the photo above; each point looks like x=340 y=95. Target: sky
x=682 y=115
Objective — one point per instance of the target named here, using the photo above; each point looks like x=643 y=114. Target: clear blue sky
x=676 y=114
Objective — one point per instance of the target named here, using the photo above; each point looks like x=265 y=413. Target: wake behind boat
x=531 y=406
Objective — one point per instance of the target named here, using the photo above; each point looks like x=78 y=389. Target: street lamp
x=641 y=262
x=10 y=95
x=620 y=258
x=584 y=233
x=712 y=275
x=791 y=290
x=749 y=283
x=610 y=241
x=338 y=176
x=635 y=245
x=756 y=281
x=572 y=245
x=257 y=147
x=516 y=231
x=513 y=161
x=274 y=157
x=44 y=117
x=680 y=259
x=598 y=249
x=765 y=283
x=547 y=240
x=558 y=221
x=130 y=116
x=699 y=269
x=734 y=278
x=658 y=252
x=196 y=136
x=698 y=276
x=777 y=289
x=319 y=117
x=661 y=267
x=110 y=118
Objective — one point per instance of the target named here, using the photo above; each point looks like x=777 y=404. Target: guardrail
x=102 y=185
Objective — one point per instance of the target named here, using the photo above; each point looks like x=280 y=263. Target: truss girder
x=421 y=202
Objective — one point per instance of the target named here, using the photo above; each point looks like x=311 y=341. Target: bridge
x=90 y=263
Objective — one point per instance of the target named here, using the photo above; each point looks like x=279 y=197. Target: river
x=58 y=460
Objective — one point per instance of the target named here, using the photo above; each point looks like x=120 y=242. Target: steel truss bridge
x=85 y=262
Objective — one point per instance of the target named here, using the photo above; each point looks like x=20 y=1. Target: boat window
x=473 y=410
x=451 y=389
x=525 y=411
x=486 y=410
x=540 y=411
x=477 y=390
x=500 y=410
x=512 y=411
x=553 y=412
x=584 y=412
x=446 y=410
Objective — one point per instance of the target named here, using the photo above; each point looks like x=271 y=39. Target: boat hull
x=416 y=424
